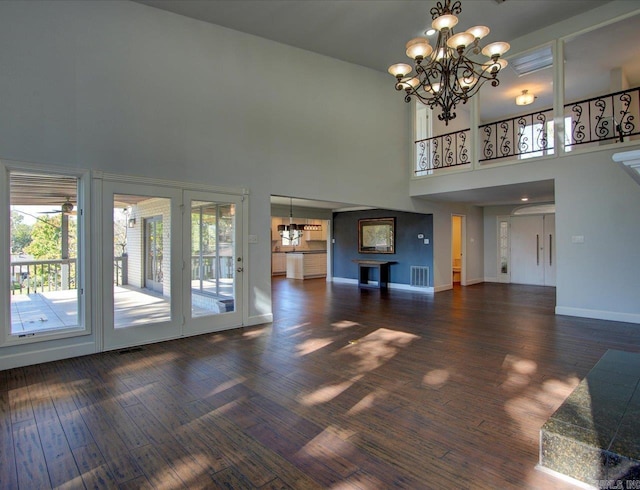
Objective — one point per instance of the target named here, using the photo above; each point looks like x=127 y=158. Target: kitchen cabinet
x=316 y=235
x=305 y=265
x=278 y=263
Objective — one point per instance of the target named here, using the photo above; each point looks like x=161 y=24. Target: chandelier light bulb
x=495 y=49
x=444 y=22
x=478 y=32
x=410 y=83
x=418 y=48
x=400 y=70
x=495 y=66
x=467 y=82
x=462 y=39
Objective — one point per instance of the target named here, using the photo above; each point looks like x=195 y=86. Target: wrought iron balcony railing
x=605 y=118
x=608 y=118
x=522 y=136
x=447 y=150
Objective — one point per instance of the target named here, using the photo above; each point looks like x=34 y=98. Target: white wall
x=129 y=89
x=595 y=198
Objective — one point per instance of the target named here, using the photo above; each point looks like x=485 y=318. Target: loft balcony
x=588 y=124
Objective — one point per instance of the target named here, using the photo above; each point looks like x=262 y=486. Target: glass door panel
x=215 y=261
x=141 y=301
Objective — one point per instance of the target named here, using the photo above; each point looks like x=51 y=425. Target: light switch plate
x=253 y=238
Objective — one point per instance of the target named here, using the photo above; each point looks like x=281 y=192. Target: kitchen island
x=307 y=264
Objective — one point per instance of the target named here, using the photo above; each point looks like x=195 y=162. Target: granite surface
x=594 y=436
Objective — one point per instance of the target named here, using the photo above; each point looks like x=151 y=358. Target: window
x=45 y=287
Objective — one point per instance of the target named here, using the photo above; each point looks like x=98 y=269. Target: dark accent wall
x=410 y=250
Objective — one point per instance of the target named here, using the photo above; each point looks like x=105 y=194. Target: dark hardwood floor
x=346 y=389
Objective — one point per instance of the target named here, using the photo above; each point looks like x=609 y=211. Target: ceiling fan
x=65 y=208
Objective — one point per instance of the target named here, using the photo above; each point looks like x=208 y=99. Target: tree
x=20 y=233
x=46 y=238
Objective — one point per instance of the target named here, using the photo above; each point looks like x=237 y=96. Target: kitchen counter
x=306 y=264
x=306 y=252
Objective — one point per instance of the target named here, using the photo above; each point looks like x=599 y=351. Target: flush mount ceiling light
x=525 y=98
x=444 y=74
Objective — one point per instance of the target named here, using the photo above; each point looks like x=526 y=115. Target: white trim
x=491 y=279
x=391 y=285
x=344 y=280
x=444 y=287
x=185 y=186
x=259 y=319
x=615 y=316
x=565 y=478
x=83 y=198
x=19 y=359
x=474 y=281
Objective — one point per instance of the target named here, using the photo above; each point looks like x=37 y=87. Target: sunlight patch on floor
x=436 y=378
x=376 y=348
x=344 y=324
x=312 y=345
x=255 y=333
x=368 y=401
x=327 y=393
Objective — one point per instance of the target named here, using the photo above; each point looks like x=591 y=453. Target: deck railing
x=39 y=276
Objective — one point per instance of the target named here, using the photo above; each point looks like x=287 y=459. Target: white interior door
x=527 y=250
x=533 y=250
x=550 y=249
x=212 y=252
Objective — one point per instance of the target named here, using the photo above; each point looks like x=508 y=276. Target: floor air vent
x=129 y=350
x=420 y=276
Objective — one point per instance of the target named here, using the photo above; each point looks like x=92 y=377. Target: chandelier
x=292 y=231
x=444 y=73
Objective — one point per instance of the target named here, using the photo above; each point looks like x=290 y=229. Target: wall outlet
x=426 y=241
x=253 y=238
x=577 y=239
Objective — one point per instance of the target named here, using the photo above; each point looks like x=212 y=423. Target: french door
x=213 y=254
x=175 y=267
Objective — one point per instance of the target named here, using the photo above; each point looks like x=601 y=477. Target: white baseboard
x=259 y=319
x=444 y=287
x=345 y=280
x=473 y=281
x=615 y=316
x=391 y=285
x=491 y=279
x=39 y=356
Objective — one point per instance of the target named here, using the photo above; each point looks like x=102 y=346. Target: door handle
x=537 y=249
x=550 y=249
x=240 y=269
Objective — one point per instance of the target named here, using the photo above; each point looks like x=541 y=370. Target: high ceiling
x=372 y=33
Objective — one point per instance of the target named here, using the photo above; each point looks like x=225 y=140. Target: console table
x=364 y=267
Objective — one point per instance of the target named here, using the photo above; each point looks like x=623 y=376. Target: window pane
x=44 y=251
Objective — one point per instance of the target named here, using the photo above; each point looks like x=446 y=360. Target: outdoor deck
x=53 y=310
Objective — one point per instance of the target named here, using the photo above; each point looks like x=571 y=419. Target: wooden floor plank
x=347 y=388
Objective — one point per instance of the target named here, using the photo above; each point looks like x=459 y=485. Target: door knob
x=240 y=269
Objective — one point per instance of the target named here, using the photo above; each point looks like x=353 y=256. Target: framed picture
x=376 y=236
